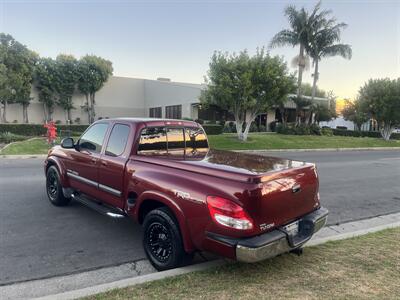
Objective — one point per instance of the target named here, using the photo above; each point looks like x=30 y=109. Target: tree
x=17 y=65
x=380 y=98
x=46 y=81
x=302 y=23
x=307 y=90
x=320 y=113
x=67 y=78
x=301 y=104
x=93 y=72
x=246 y=86
x=353 y=112
x=323 y=43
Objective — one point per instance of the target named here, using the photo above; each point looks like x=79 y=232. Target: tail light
x=228 y=213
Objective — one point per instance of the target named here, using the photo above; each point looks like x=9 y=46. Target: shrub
x=227 y=129
x=57 y=122
x=301 y=129
x=315 y=129
x=37 y=129
x=327 y=131
x=253 y=127
x=372 y=134
x=8 y=137
x=273 y=125
x=15 y=121
x=285 y=129
x=212 y=129
x=200 y=121
x=341 y=127
x=262 y=128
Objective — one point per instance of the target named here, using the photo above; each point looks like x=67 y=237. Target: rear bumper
x=277 y=241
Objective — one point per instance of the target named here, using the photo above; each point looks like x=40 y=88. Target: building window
x=173 y=112
x=155 y=112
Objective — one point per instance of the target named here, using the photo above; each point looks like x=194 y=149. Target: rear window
x=196 y=142
x=189 y=142
x=175 y=141
x=153 y=141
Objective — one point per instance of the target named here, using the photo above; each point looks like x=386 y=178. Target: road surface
x=39 y=240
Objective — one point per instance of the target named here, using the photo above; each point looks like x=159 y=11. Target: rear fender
x=171 y=204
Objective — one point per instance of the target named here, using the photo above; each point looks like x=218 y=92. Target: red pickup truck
x=187 y=197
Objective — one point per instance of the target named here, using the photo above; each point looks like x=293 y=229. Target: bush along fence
x=31 y=130
x=213 y=129
x=314 y=129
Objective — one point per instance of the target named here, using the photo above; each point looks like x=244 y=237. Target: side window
x=153 y=141
x=117 y=141
x=92 y=140
x=196 y=142
x=176 y=141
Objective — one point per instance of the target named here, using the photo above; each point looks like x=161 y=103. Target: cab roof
x=153 y=121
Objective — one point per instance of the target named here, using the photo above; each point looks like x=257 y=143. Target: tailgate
x=287 y=197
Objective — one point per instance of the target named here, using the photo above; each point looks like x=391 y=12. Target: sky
x=175 y=39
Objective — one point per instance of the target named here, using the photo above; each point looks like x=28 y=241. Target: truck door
x=82 y=167
x=112 y=165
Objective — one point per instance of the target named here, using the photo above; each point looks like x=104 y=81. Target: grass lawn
x=256 y=141
x=33 y=146
x=259 y=141
x=366 y=267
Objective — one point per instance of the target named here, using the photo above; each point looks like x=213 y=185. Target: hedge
x=38 y=129
x=213 y=129
x=373 y=134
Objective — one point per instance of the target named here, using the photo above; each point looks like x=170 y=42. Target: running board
x=99 y=207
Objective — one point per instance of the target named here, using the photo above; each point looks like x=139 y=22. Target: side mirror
x=68 y=143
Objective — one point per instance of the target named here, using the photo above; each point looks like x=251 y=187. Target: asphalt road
x=39 y=240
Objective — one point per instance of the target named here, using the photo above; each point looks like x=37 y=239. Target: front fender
x=54 y=160
x=171 y=204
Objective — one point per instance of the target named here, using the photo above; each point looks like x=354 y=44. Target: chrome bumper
x=279 y=241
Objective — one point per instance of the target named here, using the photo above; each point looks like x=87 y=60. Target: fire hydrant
x=51 y=132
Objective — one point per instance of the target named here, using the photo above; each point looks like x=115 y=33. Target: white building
x=123 y=97
x=135 y=97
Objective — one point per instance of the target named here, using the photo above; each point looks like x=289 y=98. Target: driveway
x=39 y=240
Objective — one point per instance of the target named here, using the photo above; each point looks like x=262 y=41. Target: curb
x=323 y=149
x=332 y=233
x=133 y=281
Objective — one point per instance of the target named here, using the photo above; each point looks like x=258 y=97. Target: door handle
x=93 y=160
x=104 y=163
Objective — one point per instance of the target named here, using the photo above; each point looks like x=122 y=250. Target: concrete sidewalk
x=97 y=281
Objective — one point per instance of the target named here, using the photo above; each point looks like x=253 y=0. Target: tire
x=54 y=188
x=162 y=240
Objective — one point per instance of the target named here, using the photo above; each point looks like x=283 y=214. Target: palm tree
x=323 y=43
x=302 y=24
